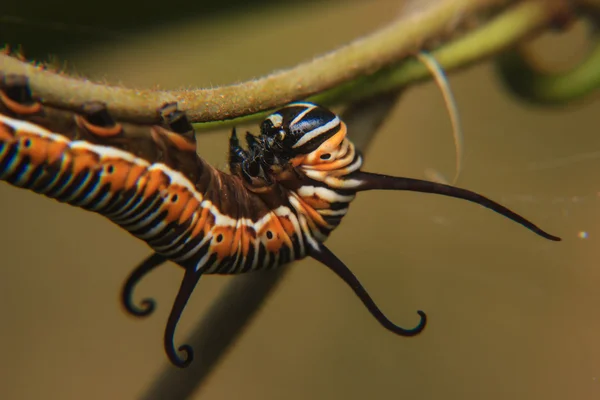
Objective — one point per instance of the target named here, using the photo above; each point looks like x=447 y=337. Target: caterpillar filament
x=287 y=190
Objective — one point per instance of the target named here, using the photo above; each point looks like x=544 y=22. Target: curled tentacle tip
x=417 y=329
x=147 y=307
x=187 y=360
x=411 y=332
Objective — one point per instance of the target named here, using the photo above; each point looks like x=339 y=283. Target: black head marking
x=299 y=128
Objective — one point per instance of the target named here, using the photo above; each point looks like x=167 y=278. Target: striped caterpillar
x=284 y=195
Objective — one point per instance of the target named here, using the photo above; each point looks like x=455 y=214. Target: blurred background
x=512 y=316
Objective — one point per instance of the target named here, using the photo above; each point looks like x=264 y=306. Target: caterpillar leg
x=326 y=257
x=237 y=154
x=190 y=279
x=147 y=305
x=177 y=121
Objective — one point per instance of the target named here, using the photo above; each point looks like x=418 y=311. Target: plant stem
x=366 y=55
x=512 y=26
x=524 y=79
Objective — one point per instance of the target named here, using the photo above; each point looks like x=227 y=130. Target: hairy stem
x=510 y=27
x=364 y=56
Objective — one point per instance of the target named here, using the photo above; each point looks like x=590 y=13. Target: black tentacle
x=371 y=181
x=326 y=257
x=147 y=305
x=190 y=279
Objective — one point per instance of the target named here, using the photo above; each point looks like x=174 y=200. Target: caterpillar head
x=302 y=133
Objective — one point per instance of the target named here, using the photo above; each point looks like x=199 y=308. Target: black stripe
x=333 y=220
x=148 y=208
x=113 y=200
x=224 y=266
x=50 y=173
x=7 y=158
x=34 y=176
x=338 y=205
x=74 y=185
x=212 y=259
x=284 y=255
x=247 y=264
x=137 y=201
x=140 y=208
x=98 y=197
x=231 y=265
x=18 y=172
x=262 y=253
x=272 y=261
x=177 y=231
x=153 y=223
x=315 y=142
x=90 y=185
x=60 y=183
x=123 y=197
x=237 y=261
x=296 y=243
x=190 y=245
x=193 y=260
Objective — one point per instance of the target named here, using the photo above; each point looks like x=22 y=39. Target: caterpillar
x=285 y=193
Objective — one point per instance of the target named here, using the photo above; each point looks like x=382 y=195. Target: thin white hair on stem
x=442 y=82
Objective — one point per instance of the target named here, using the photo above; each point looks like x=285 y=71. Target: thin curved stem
x=457 y=131
x=530 y=83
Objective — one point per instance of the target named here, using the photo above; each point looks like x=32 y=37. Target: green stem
x=524 y=79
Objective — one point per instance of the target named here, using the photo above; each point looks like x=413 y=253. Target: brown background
x=512 y=316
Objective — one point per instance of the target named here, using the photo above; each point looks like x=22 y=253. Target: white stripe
x=329 y=212
x=167 y=250
x=276 y=119
x=17 y=124
x=309 y=108
x=316 y=132
x=324 y=193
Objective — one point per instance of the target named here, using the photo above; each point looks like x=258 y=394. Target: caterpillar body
x=285 y=193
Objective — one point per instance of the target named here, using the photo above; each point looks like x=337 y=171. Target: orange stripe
x=35 y=147
x=116 y=172
x=6 y=132
x=83 y=159
x=105 y=132
x=18 y=108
